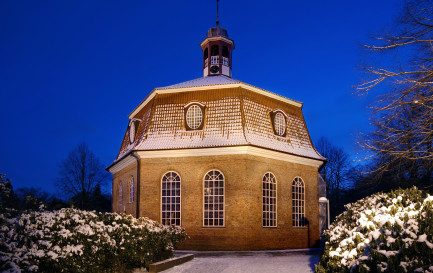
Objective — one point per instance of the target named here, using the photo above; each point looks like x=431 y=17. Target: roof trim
x=233 y=150
x=162 y=90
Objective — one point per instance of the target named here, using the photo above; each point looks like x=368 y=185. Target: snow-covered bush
x=71 y=240
x=386 y=232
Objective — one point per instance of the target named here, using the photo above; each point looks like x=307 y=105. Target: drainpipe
x=137 y=157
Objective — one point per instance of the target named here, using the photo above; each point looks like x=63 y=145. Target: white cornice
x=121 y=164
x=210 y=87
x=236 y=150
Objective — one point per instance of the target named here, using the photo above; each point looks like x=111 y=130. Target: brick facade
x=243 y=174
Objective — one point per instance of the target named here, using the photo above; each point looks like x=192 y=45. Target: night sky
x=72 y=71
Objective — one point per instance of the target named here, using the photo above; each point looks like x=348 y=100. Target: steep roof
x=234 y=116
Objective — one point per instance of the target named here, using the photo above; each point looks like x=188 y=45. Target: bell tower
x=217 y=51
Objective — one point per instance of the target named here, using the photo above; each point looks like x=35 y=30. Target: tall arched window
x=298 y=203
x=269 y=200
x=131 y=189
x=170 y=199
x=213 y=199
x=120 y=195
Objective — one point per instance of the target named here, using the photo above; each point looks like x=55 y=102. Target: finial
x=217 y=19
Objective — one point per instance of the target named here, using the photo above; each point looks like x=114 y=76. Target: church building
x=230 y=162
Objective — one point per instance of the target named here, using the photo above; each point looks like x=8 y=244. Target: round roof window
x=132 y=132
x=194 y=117
x=279 y=124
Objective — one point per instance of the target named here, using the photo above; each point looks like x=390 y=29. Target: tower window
x=215 y=51
x=170 y=199
x=225 y=52
x=213 y=199
x=205 y=54
x=269 y=200
x=194 y=116
x=298 y=203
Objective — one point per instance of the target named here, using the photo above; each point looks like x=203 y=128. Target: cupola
x=217 y=51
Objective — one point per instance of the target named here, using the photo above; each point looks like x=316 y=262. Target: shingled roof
x=235 y=115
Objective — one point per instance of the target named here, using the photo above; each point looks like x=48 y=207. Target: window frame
x=270 y=197
x=120 y=194
x=298 y=208
x=131 y=189
x=213 y=210
x=170 y=203
x=273 y=115
x=203 y=112
x=133 y=126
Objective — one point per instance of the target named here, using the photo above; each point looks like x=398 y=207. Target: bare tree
x=403 y=116
x=335 y=172
x=80 y=175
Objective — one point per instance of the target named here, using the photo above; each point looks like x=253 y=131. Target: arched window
x=170 y=199
x=205 y=54
x=131 y=189
x=120 y=195
x=213 y=199
x=269 y=200
x=298 y=203
x=214 y=51
x=225 y=52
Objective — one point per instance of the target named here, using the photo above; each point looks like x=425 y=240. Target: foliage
x=389 y=232
x=6 y=193
x=33 y=198
x=335 y=172
x=80 y=175
x=71 y=240
x=401 y=143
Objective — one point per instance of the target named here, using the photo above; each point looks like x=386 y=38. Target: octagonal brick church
x=230 y=162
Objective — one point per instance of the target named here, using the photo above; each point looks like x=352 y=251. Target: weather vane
x=217 y=20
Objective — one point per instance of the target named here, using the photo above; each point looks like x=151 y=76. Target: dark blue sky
x=72 y=71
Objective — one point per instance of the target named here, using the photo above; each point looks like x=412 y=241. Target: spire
x=217 y=50
x=217 y=19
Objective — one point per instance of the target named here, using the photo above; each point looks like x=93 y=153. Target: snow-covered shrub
x=386 y=232
x=71 y=240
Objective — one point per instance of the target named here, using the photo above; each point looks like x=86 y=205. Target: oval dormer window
x=194 y=117
x=279 y=124
x=131 y=132
x=133 y=126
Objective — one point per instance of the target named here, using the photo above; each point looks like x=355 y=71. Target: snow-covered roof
x=234 y=115
x=204 y=81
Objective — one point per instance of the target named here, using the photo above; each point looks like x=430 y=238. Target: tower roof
x=216 y=31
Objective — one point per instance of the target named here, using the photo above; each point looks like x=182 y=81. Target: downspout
x=137 y=213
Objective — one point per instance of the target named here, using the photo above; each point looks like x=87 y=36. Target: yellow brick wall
x=123 y=176
x=243 y=201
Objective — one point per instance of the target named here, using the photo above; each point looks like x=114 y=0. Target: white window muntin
x=298 y=203
x=214 y=199
x=269 y=187
x=131 y=189
x=194 y=116
x=279 y=123
x=171 y=199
